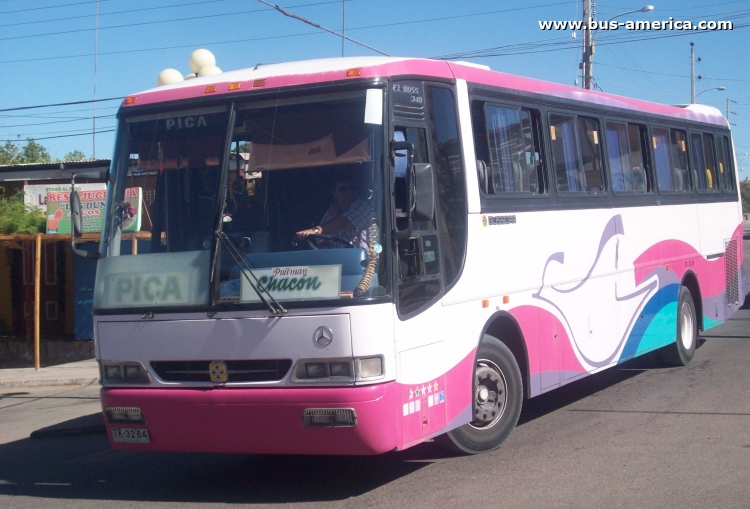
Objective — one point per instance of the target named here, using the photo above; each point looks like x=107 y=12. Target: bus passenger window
x=626 y=154
x=706 y=174
x=679 y=158
x=513 y=150
x=726 y=172
x=576 y=155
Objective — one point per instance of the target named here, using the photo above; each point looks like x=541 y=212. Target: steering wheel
x=313 y=245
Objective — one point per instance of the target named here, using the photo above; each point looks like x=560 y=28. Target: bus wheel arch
x=681 y=352
x=690 y=281
x=497 y=390
x=503 y=326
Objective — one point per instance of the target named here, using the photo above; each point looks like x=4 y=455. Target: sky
x=47 y=51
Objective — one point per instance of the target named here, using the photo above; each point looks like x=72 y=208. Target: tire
x=681 y=352
x=498 y=396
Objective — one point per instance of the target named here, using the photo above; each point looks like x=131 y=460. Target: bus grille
x=269 y=370
x=730 y=272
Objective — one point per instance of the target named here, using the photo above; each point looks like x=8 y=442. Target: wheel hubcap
x=490 y=395
x=686 y=326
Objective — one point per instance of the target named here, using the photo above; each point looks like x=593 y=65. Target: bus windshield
x=295 y=186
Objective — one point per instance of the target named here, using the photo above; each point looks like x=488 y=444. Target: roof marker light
x=353 y=72
x=130 y=100
x=234 y=86
x=259 y=83
x=210 y=89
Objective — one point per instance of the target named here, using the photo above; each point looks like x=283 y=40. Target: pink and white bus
x=499 y=237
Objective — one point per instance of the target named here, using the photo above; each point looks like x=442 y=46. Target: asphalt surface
x=637 y=435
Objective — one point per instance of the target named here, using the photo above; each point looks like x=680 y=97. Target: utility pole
x=587 y=64
x=692 y=73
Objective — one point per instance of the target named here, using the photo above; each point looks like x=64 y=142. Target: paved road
x=638 y=435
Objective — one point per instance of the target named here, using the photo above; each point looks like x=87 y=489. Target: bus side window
x=626 y=153
x=576 y=155
x=513 y=149
x=680 y=161
x=726 y=172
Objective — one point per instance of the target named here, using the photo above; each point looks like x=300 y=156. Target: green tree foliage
x=745 y=192
x=75 y=155
x=17 y=218
x=8 y=152
x=31 y=152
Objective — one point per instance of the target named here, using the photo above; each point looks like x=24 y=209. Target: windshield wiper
x=272 y=304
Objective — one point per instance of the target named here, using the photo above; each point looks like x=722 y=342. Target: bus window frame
x=576 y=114
x=729 y=155
x=646 y=154
x=669 y=128
x=701 y=133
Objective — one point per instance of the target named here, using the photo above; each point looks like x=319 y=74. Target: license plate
x=131 y=435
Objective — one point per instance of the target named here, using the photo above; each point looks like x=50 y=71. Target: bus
x=506 y=236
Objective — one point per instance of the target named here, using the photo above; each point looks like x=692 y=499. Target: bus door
x=430 y=215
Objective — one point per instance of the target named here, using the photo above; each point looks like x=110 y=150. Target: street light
x=587 y=64
x=721 y=89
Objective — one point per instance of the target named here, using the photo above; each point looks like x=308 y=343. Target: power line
x=316 y=25
x=114 y=12
x=302 y=34
x=62 y=104
x=79 y=119
x=66 y=135
x=144 y=23
x=52 y=6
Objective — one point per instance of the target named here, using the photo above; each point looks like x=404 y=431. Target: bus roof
x=335 y=69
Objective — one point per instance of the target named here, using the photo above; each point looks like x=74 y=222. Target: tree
x=8 y=152
x=745 y=193
x=31 y=152
x=17 y=218
x=75 y=155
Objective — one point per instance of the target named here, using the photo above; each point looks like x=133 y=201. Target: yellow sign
x=218 y=371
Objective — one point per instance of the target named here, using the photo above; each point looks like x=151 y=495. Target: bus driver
x=347 y=218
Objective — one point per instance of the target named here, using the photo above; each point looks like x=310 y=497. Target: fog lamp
x=329 y=418
x=124 y=414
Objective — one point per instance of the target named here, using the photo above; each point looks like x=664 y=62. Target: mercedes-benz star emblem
x=323 y=336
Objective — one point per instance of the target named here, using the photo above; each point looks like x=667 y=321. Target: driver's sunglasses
x=346 y=189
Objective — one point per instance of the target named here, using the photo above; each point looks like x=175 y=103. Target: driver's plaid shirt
x=359 y=214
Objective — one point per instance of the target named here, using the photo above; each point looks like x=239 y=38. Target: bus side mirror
x=424 y=192
x=76 y=225
x=75 y=214
x=403 y=151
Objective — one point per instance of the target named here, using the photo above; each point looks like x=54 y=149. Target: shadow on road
x=86 y=467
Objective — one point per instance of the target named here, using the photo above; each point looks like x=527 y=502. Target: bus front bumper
x=257 y=421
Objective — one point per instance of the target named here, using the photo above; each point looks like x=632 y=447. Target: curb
x=48 y=383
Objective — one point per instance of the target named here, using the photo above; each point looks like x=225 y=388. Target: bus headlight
x=123 y=373
x=339 y=370
x=370 y=367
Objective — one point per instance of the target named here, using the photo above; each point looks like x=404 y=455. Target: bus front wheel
x=498 y=396
x=681 y=352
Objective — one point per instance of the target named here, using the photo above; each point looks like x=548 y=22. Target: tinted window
x=514 y=153
x=576 y=155
x=449 y=174
x=626 y=155
x=704 y=171
x=724 y=156
x=671 y=159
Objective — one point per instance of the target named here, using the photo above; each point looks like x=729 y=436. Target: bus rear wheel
x=681 y=352
x=498 y=396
